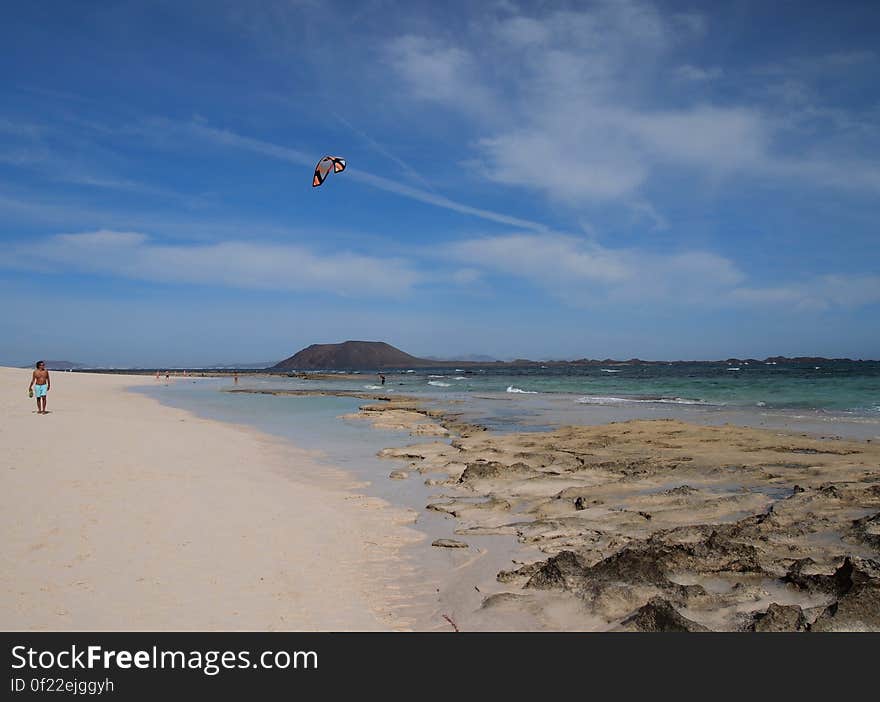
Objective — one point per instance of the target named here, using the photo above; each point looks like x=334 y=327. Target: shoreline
x=674 y=498
x=444 y=585
x=663 y=525
x=120 y=513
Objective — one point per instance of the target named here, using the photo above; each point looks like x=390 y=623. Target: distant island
x=351 y=355
x=377 y=355
x=63 y=365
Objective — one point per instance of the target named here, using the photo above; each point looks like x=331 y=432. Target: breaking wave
x=608 y=400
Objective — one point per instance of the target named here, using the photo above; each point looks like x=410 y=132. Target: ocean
x=831 y=385
x=829 y=397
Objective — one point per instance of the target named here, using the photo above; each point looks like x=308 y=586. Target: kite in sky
x=325 y=165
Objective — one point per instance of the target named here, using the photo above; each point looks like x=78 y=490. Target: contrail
x=227 y=138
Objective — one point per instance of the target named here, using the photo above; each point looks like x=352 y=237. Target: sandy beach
x=118 y=513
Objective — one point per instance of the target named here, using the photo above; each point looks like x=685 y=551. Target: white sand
x=119 y=513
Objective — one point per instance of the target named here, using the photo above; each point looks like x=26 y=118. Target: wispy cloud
x=34 y=147
x=689 y=72
x=821 y=292
x=566 y=105
x=228 y=264
x=583 y=274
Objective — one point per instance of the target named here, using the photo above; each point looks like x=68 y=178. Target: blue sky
x=544 y=180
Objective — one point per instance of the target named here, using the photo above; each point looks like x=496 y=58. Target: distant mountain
x=63 y=365
x=351 y=355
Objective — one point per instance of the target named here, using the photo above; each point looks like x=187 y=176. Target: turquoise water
x=835 y=398
x=310 y=422
x=849 y=387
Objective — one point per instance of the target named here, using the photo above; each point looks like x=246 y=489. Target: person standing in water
x=382 y=378
x=40 y=384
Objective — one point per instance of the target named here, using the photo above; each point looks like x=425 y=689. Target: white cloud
x=230 y=263
x=439 y=73
x=822 y=292
x=590 y=165
x=583 y=273
x=576 y=271
x=697 y=74
x=568 y=104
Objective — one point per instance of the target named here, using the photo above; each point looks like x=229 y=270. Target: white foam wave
x=438 y=384
x=459 y=377
x=510 y=388
x=610 y=400
x=609 y=370
x=373 y=387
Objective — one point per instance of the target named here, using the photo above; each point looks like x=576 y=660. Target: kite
x=324 y=166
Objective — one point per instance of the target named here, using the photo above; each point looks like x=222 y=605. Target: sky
x=547 y=180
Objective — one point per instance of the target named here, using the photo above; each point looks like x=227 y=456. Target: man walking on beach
x=39 y=386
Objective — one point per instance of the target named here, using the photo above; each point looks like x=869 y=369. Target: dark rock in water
x=857 y=583
x=659 y=615
x=681 y=490
x=633 y=565
x=398 y=475
x=830 y=490
x=516 y=574
x=648 y=562
x=580 y=504
x=561 y=572
x=853 y=571
x=780 y=618
x=449 y=543
x=491 y=469
x=867 y=530
x=651 y=563
x=857 y=610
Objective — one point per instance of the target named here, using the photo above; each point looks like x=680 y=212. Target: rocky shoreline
x=662 y=525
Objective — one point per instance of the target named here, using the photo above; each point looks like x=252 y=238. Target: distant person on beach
x=39 y=386
x=235 y=378
x=382 y=378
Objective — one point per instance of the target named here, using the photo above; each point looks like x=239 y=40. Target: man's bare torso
x=41 y=377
